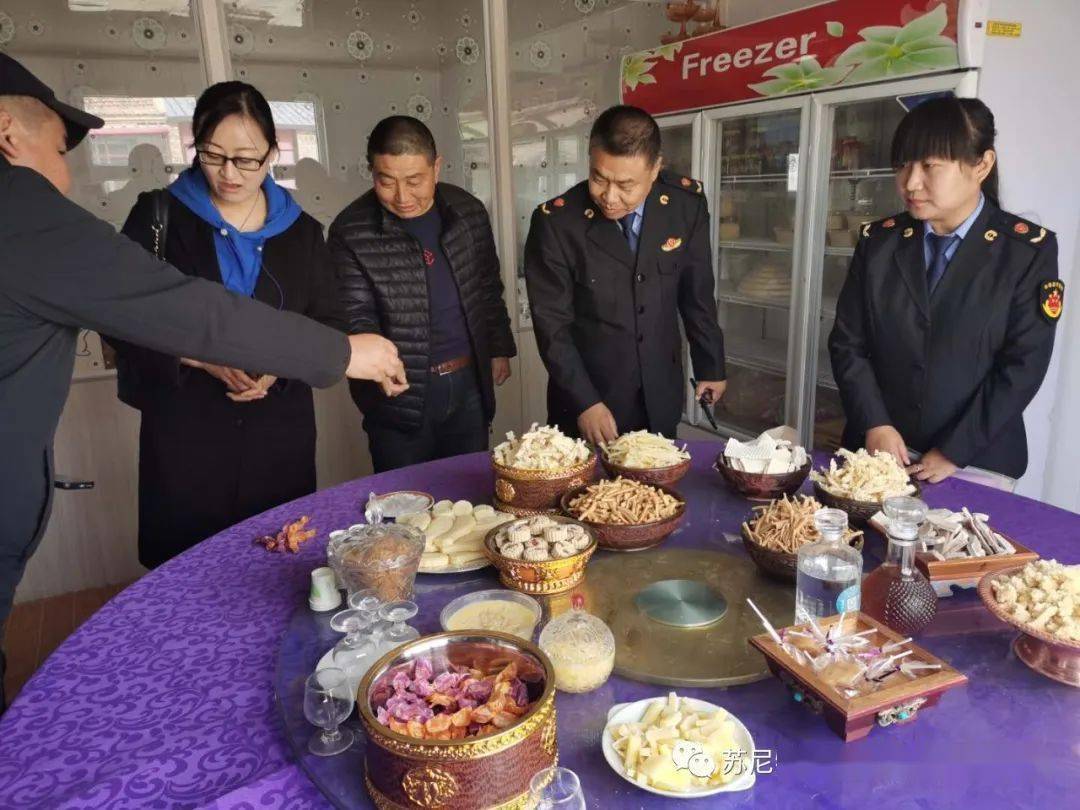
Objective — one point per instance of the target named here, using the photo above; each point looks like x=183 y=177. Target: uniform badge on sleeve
x=671 y=244
x=1051 y=299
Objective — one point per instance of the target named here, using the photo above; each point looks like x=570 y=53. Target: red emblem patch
x=888 y=223
x=1052 y=299
x=429 y=257
x=559 y=202
x=1021 y=228
x=686 y=182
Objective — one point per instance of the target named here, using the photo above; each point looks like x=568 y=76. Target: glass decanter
x=828 y=571
x=896 y=593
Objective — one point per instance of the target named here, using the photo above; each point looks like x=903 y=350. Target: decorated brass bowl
x=1050 y=656
x=475 y=772
x=635 y=537
x=535 y=491
x=859 y=512
x=544 y=577
x=761 y=486
x=657 y=476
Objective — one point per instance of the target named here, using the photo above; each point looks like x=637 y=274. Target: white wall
x=1026 y=82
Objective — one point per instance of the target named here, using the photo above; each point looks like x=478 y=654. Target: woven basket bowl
x=541 y=578
x=535 y=491
x=762 y=486
x=859 y=512
x=657 y=476
x=613 y=537
x=779 y=565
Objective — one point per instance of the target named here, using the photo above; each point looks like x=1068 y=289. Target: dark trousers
x=26 y=494
x=453 y=424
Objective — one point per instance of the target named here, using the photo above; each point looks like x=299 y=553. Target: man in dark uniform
x=951 y=371
x=609 y=265
x=63 y=269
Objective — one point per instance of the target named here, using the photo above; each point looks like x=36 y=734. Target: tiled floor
x=35 y=629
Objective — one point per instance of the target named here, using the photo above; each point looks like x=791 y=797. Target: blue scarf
x=239 y=254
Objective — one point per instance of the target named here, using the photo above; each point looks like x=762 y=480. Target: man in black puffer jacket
x=416 y=264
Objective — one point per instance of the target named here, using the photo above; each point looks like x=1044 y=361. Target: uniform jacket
x=63 y=269
x=242 y=457
x=383 y=285
x=955 y=370
x=606 y=321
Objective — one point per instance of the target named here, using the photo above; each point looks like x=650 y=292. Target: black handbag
x=129 y=382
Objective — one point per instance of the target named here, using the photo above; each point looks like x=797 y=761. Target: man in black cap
x=63 y=270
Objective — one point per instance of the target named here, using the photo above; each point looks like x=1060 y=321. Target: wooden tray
x=854 y=718
x=967 y=570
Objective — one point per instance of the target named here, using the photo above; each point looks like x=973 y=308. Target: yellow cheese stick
x=439 y=526
x=433 y=561
x=463 y=524
x=465 y=557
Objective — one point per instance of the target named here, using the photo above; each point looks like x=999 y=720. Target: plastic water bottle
x=829 y=571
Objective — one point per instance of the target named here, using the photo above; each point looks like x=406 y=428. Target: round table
x=165 y=697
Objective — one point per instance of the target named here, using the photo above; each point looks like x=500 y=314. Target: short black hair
x=219 y=101
x=401 y=135
x=950 y=128
x=625 y=131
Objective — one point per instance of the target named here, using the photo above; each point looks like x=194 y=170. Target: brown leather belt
x=450 y=366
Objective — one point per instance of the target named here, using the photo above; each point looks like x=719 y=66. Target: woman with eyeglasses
x=219 y=444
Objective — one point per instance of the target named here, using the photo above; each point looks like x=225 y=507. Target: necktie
x=627 y=224
x=939 y=260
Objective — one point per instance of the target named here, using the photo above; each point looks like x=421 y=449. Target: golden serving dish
x=1048 y=655
x=492 y=771
x=534 y=491
x=545 y=577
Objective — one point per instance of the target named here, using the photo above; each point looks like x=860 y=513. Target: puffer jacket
x=382 y=281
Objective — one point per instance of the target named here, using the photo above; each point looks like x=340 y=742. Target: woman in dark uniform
x=945 y=324
x=220 y=444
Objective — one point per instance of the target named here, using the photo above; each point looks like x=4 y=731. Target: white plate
x=633 y=712
x=460 y=569
x=420 y=502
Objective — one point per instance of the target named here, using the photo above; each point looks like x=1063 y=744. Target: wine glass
x=364 y=600
x=353 y=623
x=396 y=614
x=328 y=701
x=556 y=789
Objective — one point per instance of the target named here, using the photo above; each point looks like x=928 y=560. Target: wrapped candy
x=845 y=658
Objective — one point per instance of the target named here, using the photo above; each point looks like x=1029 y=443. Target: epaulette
x=552 y=205
x=1022 y=229
x=681 y=181
x=902 y=223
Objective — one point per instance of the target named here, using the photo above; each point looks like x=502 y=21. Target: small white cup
x=324 y=594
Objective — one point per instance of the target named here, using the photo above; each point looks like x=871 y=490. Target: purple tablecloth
x=164 y=697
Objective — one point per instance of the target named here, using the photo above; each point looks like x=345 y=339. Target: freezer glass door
x=754 y=196
x=862 y=187
x=679 y=150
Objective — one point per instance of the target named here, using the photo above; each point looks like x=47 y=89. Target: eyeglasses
x=244 y=164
